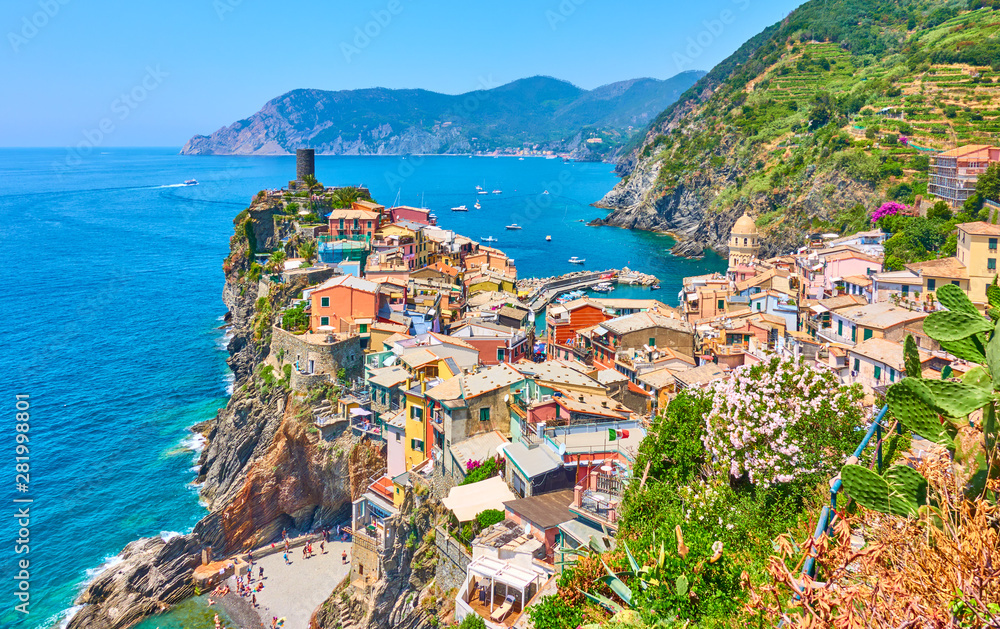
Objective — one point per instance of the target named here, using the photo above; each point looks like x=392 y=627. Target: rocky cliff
x=264 y=468
x=835 y=107
x=552 y=114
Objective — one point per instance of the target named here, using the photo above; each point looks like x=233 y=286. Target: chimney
x=577 y=496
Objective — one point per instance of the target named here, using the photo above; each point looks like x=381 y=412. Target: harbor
x=538 y=293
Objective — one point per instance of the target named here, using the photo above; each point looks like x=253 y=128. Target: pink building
x=415 y=214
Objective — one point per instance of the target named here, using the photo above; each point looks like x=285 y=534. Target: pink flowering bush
x=780 y=421
x=889 y=208
x=472 y=464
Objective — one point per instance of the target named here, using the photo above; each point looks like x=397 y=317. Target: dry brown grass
x=939 y=570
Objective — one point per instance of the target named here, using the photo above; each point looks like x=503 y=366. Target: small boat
x=482 y=192
x=460 y=208
x=191 y=182
x=498 y=192
x=477 y=205
x=654 y=287
x=478 y=188
x=604 y=287
x=545 y=191
x=514 y=226
x=488 y=239
x=520 y=159
x=548 y=239
x=576 y=260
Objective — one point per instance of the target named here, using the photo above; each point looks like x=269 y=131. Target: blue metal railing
x=826 y=516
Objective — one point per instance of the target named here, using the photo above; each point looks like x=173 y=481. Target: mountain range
x=541 y=113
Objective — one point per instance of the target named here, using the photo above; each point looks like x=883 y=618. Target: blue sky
x=162 y=72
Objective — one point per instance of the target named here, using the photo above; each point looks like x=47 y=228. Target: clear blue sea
x=113 y=280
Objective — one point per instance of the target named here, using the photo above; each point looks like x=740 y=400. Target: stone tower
x=744 y=242
x=305 y=163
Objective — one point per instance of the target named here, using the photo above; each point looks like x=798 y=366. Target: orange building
x=344 y=303
x=562 y=322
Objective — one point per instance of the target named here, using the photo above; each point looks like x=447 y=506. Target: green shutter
x=868 y=334
x=878 y=372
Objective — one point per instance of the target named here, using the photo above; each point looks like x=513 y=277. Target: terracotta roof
x=967 y=150
x=644 y=321
x=880 y=315
x=351 y=214
x=658 y=379
x=859 y=280
x=943 y=267
x=349 y=281
x=979 y=228
x=700 y=375
x=591 y=404
x=885 y=352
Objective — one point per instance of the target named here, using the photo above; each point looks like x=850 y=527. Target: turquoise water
x=113 y=279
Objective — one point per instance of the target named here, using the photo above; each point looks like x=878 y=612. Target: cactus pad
x=866 y=487
x=945 y=325
x=907 y=490
x=906 y=401
x=969 y=348
x=954 y=299
x=955 y=399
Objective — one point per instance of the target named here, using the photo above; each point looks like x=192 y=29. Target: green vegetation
x=843 y=102
x=477 y=472
x=726 y=471
x=473 y=621
x=489 y=517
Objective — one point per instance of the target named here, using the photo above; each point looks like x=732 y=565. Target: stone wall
x=366 y=563
x=453 y=561
x=327 y=358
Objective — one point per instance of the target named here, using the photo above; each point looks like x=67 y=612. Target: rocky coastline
x=262 y=469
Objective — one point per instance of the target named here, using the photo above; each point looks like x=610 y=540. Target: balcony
x=598 y=497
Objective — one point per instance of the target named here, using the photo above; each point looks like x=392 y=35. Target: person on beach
x=253 y=599
x=260 y=573
x=305 y=550
x=285 y=555
x=322 y=547
x=284 y=534
x=343 y=556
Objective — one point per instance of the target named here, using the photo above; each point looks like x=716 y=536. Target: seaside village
x=520 y=404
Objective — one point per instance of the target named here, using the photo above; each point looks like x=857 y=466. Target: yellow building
x=972 y=268
x=977 y=250
x=419 y=428
x=744 y=242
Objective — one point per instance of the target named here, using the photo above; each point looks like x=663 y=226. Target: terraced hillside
x=840 y=104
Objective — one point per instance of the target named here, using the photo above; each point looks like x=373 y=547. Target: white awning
x=692 y=296
x=465 y=501
x=819 y=308
x=359 y=412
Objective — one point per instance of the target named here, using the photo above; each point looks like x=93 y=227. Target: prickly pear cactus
x=907 y=490
x=946 y=325
x=866 y=487
x=907 y=402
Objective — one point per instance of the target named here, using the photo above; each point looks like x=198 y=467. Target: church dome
x=745 y=225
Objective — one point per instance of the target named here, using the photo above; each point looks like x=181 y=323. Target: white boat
x=514 y=226
x=460 y=208
x=520 y=159
x=545 y=191
x=604 y=287
x=482 y=192
x=478 y=188
x=488 y=239
x=477 y=205
x=576 y=260
x=548 y=239
x=191 y=182
x=497 y=191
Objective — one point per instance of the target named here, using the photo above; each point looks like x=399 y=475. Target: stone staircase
x=346 y=621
